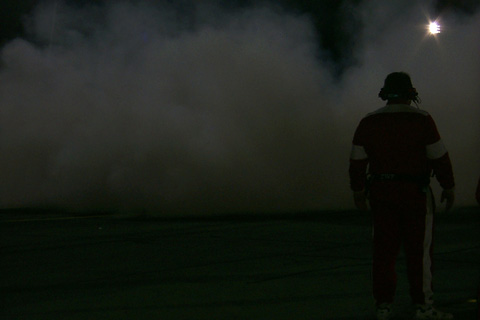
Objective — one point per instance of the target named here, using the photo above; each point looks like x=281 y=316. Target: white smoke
x=130 y=107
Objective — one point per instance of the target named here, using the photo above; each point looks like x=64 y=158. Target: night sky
x=219 y=106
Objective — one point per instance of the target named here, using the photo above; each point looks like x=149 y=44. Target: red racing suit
x=399 y=146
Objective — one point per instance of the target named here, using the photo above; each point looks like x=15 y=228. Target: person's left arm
x=358 y=170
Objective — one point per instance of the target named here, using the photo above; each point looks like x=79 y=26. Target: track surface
x=317 y=266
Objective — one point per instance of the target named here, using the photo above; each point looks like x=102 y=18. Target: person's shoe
x=428 y=312
x=384 y=311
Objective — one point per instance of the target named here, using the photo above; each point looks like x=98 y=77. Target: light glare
x=434 y=28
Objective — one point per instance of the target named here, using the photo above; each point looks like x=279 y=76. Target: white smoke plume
x=131 y=107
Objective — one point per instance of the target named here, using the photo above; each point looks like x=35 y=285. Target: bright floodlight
x=434 y=28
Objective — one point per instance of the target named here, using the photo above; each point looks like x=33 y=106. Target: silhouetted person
x=395 y=150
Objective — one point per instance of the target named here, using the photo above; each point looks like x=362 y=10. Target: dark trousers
x=402 y=214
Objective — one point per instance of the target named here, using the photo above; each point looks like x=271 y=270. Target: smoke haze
x=128 y=107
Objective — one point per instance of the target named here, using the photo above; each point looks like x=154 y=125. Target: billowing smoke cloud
x=131 y=107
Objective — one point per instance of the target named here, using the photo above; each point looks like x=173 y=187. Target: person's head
x=398 y=88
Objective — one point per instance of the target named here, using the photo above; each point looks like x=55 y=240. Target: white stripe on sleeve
x=358 y=153
x=436 y=150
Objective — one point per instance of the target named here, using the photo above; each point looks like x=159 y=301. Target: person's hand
x=360 y=199
x=448 y=195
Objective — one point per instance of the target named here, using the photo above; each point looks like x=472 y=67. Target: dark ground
x=310 y=266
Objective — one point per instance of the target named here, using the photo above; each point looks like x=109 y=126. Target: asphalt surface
x=313 y=266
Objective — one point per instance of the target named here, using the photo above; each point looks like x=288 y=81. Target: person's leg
x=417 y=227
x=386 y=245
